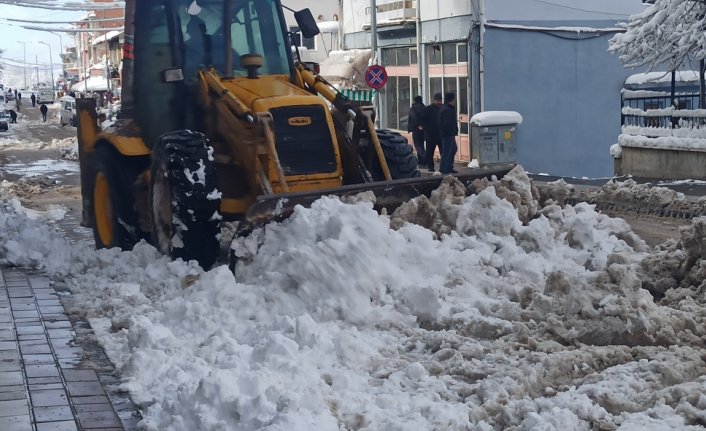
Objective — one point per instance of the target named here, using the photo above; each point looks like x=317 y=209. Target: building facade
x=546 y=60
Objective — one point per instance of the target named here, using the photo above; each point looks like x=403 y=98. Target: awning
x=358 y=95
x=105 y=37
x=93 y=83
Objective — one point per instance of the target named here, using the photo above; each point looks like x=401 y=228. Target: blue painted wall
x=568 y=92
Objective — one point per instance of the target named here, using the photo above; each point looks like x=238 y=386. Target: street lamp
x=24 y=60
x=61 y=52
x=51 y=67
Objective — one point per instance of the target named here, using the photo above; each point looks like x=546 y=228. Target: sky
x=505 y=309
x=11 y=32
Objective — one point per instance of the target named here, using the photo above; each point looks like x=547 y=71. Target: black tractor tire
x=185 y=202
x=115 y=219
x=400 y=158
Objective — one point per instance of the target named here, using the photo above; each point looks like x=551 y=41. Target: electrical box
x=494 y=136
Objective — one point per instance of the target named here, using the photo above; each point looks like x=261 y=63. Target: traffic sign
x=376 y=76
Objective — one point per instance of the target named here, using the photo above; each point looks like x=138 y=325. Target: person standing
x=432 y=132
x=43 y=109
x=415 y=127
x=34 y=99
x=13 y=117
x=449 y=131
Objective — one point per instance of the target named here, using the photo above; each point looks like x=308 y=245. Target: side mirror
x=307 y=23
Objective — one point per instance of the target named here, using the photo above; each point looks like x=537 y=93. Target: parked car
x=4 y=121
x=68 y=111
x=9 y=96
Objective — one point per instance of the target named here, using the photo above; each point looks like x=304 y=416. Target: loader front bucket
x=389 y=194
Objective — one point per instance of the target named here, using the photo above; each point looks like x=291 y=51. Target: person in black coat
x=416 y=128
x=449 y=130
x=34 y=99
x=43 y=109
x=432 y=131
x=13 y=117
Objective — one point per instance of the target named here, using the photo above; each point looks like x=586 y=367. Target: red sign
x=376 y=76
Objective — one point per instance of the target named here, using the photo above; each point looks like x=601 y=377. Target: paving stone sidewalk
x=47 y=380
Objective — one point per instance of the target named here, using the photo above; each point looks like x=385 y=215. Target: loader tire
x=185 y=202
x=400 y=158
x=113 y=204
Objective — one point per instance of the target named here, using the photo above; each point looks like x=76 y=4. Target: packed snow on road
x=505 y=309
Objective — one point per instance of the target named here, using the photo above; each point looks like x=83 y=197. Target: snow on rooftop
x=662 y=77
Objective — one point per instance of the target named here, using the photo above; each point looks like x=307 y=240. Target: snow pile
x=630 y=193
x=502 y=309
x=25 y=187
x=68 y=147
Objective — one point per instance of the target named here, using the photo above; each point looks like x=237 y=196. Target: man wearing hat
x=432 y=131
x=449 y=131
x=416 y=128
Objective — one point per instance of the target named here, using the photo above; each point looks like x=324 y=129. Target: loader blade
x=389 y=194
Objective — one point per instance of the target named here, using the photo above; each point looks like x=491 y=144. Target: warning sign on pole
x=376 y=76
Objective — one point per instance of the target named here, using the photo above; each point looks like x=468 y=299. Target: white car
x=68 y=111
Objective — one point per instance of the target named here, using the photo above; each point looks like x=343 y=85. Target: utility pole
x=24 y=60
x=374 y=54
x=61 y=51
x=36 y=61
x=51 y=68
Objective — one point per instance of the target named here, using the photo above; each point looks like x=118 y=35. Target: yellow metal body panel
x=251 y=146
x=127 y=146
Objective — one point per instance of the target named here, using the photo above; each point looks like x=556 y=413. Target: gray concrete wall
x=568 y=92
x=561 y=10
x=662 y=164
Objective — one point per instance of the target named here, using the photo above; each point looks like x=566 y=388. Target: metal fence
x=658 y=112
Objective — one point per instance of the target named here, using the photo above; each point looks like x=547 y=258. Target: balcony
x=396 y=10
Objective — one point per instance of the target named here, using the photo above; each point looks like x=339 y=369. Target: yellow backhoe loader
x=218 y=121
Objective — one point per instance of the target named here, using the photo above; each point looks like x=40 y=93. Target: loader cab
x=176 y=38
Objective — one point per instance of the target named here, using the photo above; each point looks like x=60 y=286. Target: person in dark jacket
x=13 y=117
x=432 y=132
x=34 y=99
x=416 y=128
x=449 y=130
x=43 y=109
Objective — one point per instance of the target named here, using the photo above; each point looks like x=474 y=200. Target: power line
x=579 y=9
x=76 y=21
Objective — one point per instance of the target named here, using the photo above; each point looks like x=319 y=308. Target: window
x=403 y=101
x=396 y=56
x=462 y=49
x=391 y=111
x=463 y=95
x=398 y=99
x=434 y=53
x=302 y=42
x=413 y=56
x=449 y=53
x=402 y=56
x=256 y=29
x=434 y=87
